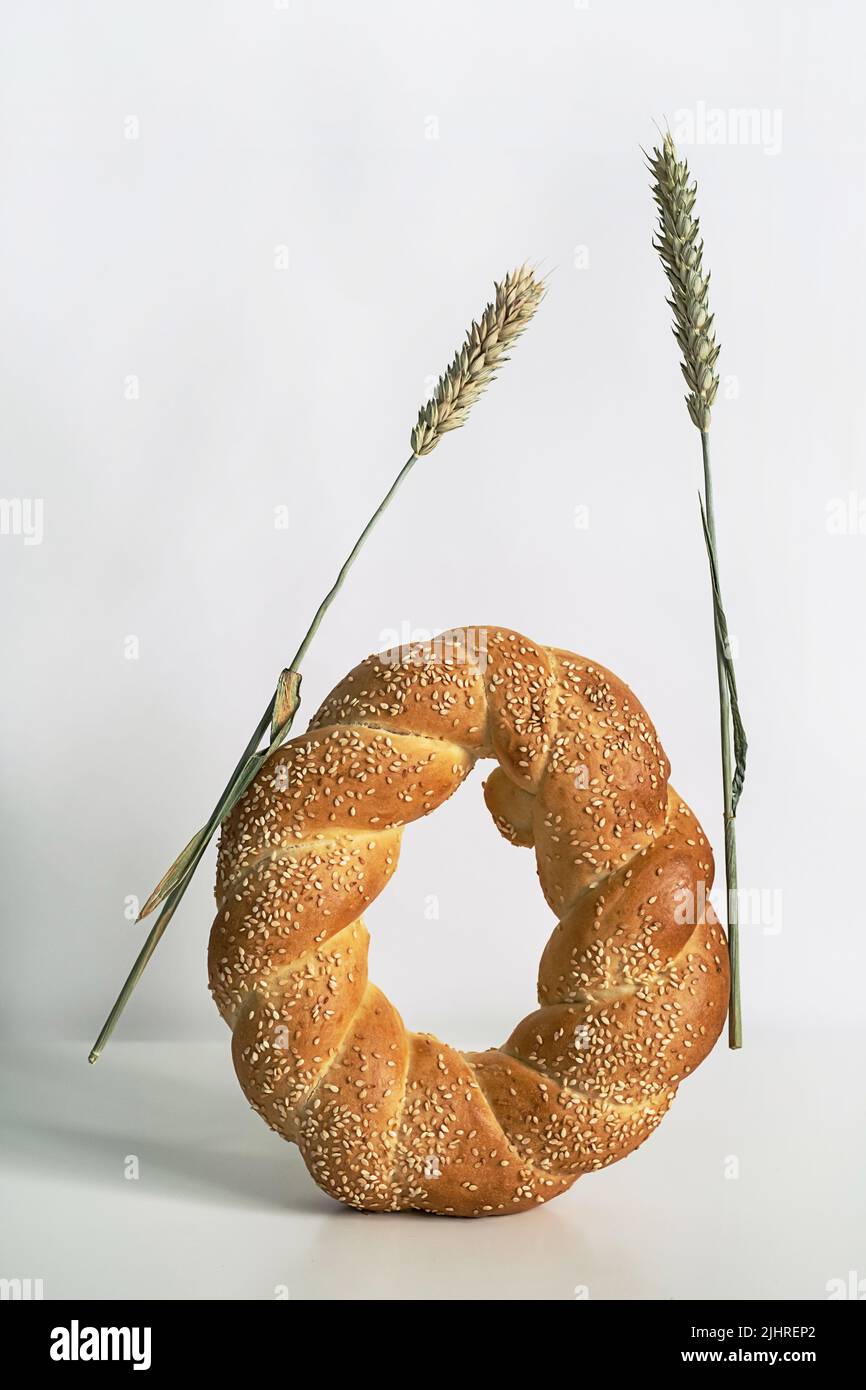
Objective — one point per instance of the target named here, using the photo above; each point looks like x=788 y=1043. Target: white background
x=402 y=157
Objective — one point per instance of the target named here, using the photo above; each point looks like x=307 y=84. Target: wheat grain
x=474 y=366
x=681 y=250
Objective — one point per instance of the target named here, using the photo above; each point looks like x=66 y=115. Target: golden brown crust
x=632 y=984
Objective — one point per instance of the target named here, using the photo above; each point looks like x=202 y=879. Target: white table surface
x=222 y=1208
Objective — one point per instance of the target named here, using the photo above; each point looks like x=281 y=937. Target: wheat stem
x=237 y=784
x=352 y=557
x=735 y=1020
x=681 y=250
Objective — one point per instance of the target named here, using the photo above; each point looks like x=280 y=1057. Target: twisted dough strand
x=632 y=993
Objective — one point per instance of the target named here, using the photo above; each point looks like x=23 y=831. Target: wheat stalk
x=681 y=249
x=474 y=366
x=472 y=370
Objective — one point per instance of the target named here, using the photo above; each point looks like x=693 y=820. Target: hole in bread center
x=457 y=934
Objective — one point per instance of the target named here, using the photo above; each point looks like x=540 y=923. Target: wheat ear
x=502 y=322
x=681 y=249
x=474 y=366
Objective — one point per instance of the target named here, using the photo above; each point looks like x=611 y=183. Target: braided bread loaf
x=632 y=993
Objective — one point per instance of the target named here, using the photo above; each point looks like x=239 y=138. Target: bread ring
x=632 y=984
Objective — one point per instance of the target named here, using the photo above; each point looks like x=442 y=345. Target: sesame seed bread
x=632 y=986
